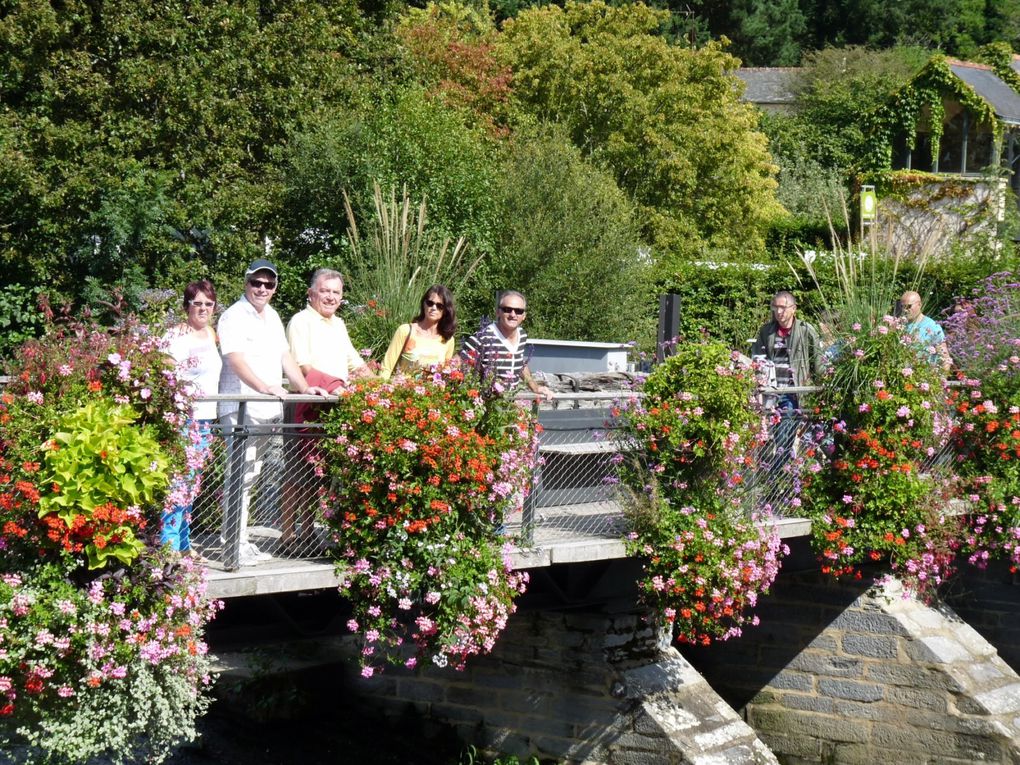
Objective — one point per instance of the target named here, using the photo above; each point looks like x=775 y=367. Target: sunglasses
x=510 y=309
x=263 y=283
x=201 y=303
x=434 y=304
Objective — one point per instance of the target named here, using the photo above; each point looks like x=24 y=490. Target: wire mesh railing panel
x=575 y=490
x=258 y=502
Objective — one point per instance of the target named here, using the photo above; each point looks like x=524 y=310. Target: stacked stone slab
x=989 y=601
x=835 y=675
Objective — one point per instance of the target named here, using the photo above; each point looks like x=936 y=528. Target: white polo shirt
x=322 y=343
x=262 y=341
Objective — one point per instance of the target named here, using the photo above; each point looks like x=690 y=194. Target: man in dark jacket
x=792 y=345
x=795 y=349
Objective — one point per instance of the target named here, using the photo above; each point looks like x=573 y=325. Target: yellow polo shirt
x=322 y=343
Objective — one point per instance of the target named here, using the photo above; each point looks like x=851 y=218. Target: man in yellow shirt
x=318 y=337
x=322 y=348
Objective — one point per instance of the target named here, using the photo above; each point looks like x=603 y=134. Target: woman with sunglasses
x=428 y=339
x=192 y=345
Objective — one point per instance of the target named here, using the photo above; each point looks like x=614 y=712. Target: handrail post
x=232 y=514
x=534 y=483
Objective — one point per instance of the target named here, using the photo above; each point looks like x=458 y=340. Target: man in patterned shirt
x=498 y=349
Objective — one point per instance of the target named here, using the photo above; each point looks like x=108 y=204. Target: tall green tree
x=571 y=242
x=956 y=27
x=665 y=120
x=768 y=32
x=146 y=133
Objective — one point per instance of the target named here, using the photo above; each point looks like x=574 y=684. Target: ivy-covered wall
x=924 y=97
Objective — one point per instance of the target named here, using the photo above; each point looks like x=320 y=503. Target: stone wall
x=932 y=219
x=578 y=687
x=838 y=672
x=858 y=673
x=989 y=601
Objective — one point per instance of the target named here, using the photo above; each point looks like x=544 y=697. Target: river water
x=342 y=736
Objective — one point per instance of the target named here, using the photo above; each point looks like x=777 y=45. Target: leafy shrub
x=729 y=301
x=396 y=137
x=567 y=229
x=20 y=319
x=665 y=119
x=150 y=137
x=725 y=302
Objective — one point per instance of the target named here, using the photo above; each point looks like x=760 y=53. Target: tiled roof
x=770 y=84
x=1001 y=97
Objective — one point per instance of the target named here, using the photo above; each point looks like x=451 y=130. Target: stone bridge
x=837 y=672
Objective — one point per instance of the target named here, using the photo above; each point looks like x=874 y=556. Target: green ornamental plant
x=707 y=560
x=102 y=654
x=107 y=471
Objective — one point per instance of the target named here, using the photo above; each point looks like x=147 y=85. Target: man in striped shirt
x=498 y=349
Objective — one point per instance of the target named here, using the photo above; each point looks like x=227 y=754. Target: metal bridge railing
x=258 y=500
x=257 y=487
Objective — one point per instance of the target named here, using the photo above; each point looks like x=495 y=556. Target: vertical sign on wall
x=869 y=205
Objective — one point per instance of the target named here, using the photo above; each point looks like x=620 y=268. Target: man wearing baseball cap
x=256 y=356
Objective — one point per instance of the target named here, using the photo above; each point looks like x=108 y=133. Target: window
x=920 y=157
x=900 y=153
x=980 y=148
x=951 y=145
